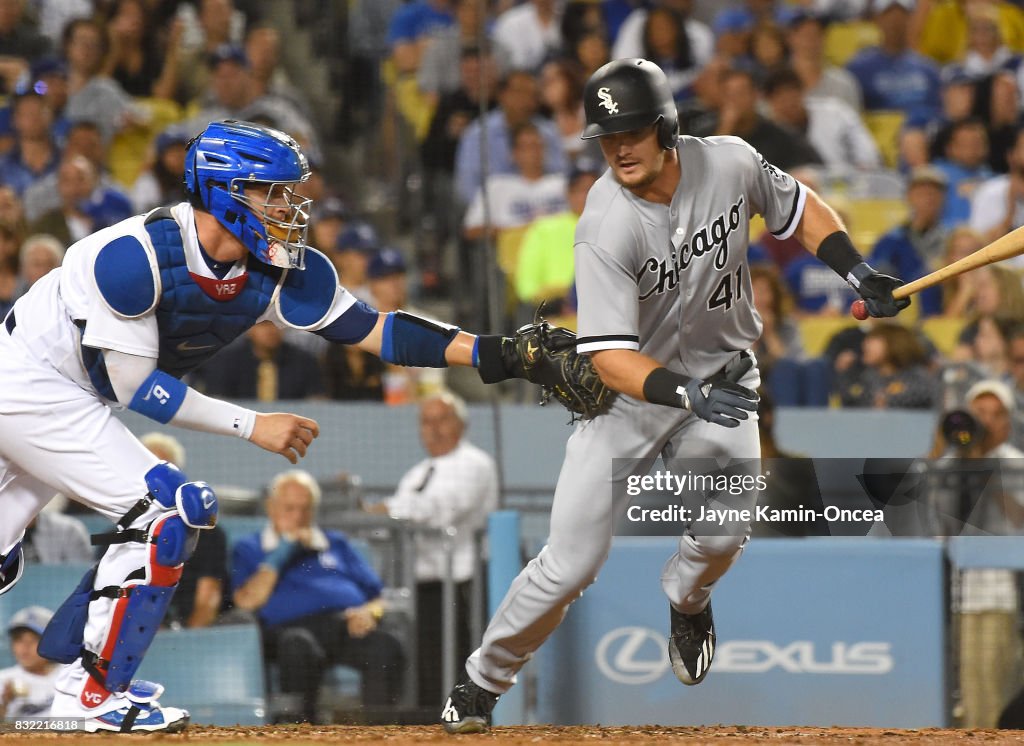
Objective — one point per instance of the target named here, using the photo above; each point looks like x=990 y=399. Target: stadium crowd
x=466 y=114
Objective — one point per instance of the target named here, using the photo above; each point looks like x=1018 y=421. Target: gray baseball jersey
x=671 y=280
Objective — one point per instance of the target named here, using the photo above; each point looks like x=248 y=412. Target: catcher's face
x=635 y=157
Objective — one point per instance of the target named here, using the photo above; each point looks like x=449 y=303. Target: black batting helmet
x=630 y=94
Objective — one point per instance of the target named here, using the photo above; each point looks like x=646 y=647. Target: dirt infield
x=722 y=735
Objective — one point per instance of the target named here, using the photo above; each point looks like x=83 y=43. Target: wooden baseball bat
x=1004 y=247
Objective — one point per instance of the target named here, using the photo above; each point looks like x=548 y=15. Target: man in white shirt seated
x=455 y=487
x=26 y=688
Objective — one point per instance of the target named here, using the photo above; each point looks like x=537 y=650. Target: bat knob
x=859 y=309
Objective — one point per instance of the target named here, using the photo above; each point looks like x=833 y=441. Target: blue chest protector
x=193 y=326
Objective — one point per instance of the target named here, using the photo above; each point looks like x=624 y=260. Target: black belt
x=10 y=322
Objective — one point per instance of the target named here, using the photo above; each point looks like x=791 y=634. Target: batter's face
x=635 y=157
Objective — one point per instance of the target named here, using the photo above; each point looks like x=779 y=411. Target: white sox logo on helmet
x=607 y=101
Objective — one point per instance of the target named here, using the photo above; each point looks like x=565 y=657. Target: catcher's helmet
x=629 y=94
x=226 y=157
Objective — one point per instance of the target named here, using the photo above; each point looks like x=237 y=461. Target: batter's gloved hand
x=876 y=290
x=720 y=399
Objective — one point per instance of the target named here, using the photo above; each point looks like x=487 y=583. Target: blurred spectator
x=999 y=105
x=136 y=61
x=262 y=366
x=666 y=42
x=630 y=41
x=20 y=42
x=544 y=272
x=368 y=47
x=530 y=33
x=49 y=78
x=699 y=114
x=440 y=72
x=233 y=95
x=389 y=291
x=108 y=203
x=517 y=199
x=895 y=373
x=815 y=289
x=40 y=254
x=8 y=279
x=581 y=17
x=891 y=75
x=915 y=248
x=958 y=292
x=12 y=215
x=202 y=589
x=941 y=26
x=984 y=343
x=739 y=116
x=805 y=36
x=330 y=217
x=992 y=290
x=768 y=49
x=357 y=242
x=412 y=28
x=34 y=154
x=591 y=51
x=966 y=166
x=198 y=30
x=73 y=220
x=997 y=206
x=833 y=129
x=517 y=104
x=318 y=601
x=92 y=95
x=268 y=76
x=55 y=539
x=985 y=53
x=732 y=28
x=27 y=687
x=54 y=15
x=986 y=600
x=561 y=90
x=455 y=487
x=793 y=380
x=160 y=182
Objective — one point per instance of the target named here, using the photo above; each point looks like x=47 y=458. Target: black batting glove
x=720 y=399
x=876 y=290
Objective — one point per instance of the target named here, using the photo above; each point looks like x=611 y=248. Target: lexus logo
x=632 y=655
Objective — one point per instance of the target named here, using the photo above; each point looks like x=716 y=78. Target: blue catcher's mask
x=244 y=175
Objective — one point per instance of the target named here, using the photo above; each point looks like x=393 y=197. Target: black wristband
x=662 y=387
x=490 y=364
x=838 y=252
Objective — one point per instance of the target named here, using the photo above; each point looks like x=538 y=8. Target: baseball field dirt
x=721 y=735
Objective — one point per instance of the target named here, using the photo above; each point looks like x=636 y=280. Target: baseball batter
x=134 y=308
x=667 y=315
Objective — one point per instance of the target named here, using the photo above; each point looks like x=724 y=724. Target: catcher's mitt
x=547 y=356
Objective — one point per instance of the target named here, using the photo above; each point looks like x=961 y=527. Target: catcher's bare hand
x=284 y=433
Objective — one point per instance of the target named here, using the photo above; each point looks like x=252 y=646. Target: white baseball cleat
x=140 y=713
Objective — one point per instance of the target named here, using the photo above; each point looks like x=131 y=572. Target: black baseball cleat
x=691 y=644
x=468 y=709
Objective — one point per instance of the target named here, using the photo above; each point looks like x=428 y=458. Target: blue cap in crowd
x=732 y=20
x=386 y=262
x=330 y=208
x=227 y=53
x=34 y=618
x=358 y=236
x=789 y=16
x=173 y=135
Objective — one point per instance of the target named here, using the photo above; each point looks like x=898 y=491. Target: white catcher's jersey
x=671 y=280
x=46 y=314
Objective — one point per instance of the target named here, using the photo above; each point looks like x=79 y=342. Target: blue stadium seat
x=216 y=673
